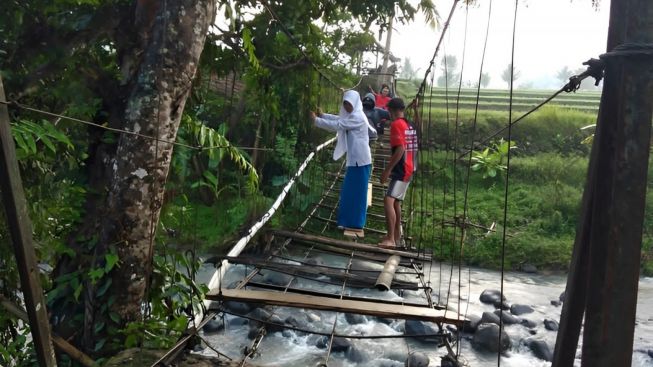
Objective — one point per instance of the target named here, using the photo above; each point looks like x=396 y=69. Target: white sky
x=551 y=34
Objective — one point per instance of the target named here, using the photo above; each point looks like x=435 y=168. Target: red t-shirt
x=403 y=134
x=381 y=101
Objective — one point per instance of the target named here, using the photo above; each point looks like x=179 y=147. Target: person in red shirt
x=382 y=99
x=403 y=142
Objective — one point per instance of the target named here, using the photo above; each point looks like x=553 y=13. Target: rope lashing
x=596 y=67
x=629 y=49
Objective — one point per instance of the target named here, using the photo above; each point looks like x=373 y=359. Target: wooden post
x=604 y=276
x=20 y=228
x=59 y=342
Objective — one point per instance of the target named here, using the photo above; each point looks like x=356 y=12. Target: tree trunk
x=388 y=43
x=140 y=166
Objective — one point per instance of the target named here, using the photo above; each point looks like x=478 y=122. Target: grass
x=547 y=178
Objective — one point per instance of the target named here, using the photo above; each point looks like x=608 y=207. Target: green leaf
x=100 y=344
x=31 y=143
x=96 y=274
x=111 y=261
x=78 y=291
x=114 y=317
x=48 y=143
x=98 y=327
x=209 y=176
x=105 y=286
x=202 y=135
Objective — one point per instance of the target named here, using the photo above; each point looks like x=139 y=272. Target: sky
x=550 y=35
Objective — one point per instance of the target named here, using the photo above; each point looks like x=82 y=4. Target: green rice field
x=498 y=99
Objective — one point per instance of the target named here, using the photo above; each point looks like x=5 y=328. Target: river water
x=289 y=348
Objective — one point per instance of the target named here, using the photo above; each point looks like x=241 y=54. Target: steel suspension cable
x=469 y=162
x=444 y=174
x=507 y=181
x=431 y=159
x=455 y=163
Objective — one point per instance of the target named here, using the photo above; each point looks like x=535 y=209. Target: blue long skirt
x=352 y=210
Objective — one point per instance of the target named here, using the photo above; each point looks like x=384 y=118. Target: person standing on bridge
x=382 y=98
x=403 y=142
x=353 y=134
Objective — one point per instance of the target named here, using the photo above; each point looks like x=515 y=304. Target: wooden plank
x=316 y=271
x=392 y=311
x=20 y=228
x=300 y=237
x=334 y=295
x=354 y=233
x=364 y=256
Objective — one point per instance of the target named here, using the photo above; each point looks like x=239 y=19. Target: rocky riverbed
x=531 y=310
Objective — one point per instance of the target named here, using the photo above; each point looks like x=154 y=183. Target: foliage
x=509 y=74
x=491 y=160
x=450 y=77
x=408 y=71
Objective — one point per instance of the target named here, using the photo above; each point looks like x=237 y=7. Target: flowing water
x=289 y=348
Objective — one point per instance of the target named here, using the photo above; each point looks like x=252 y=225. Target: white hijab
x=358 y=114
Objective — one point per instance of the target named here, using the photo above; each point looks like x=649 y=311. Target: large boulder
x=487 y=339
x=260 y=314
x=507 y=318
x=489 y=318
x=213 y=326
x=272 y=277
x=357 y=355
x=354 y=319
x=540 y=348
x=517 y=309
x=551 y=324
x=238 y=308
x=502 y=305
x=529 y=268
x=414 y=327
x=470 y=325
x=491 y=296
x=275 y=324
x=340 y=344
x=417 y=359
x=319 y=341
x=563 y=296
x=529 y=323
x=294 y=322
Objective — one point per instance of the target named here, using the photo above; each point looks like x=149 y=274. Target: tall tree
x=508 y=72
x=563 y=74
x=448 y=66
x=485 y=79
x=427 y=7
x=408 y=71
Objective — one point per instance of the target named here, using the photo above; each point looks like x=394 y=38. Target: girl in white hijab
x=353 y=132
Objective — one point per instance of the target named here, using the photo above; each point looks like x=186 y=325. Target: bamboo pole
x=384 y=281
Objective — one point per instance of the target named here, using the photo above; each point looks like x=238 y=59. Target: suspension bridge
x=288 y=255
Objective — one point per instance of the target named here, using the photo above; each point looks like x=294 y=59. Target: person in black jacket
x=376 y=116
